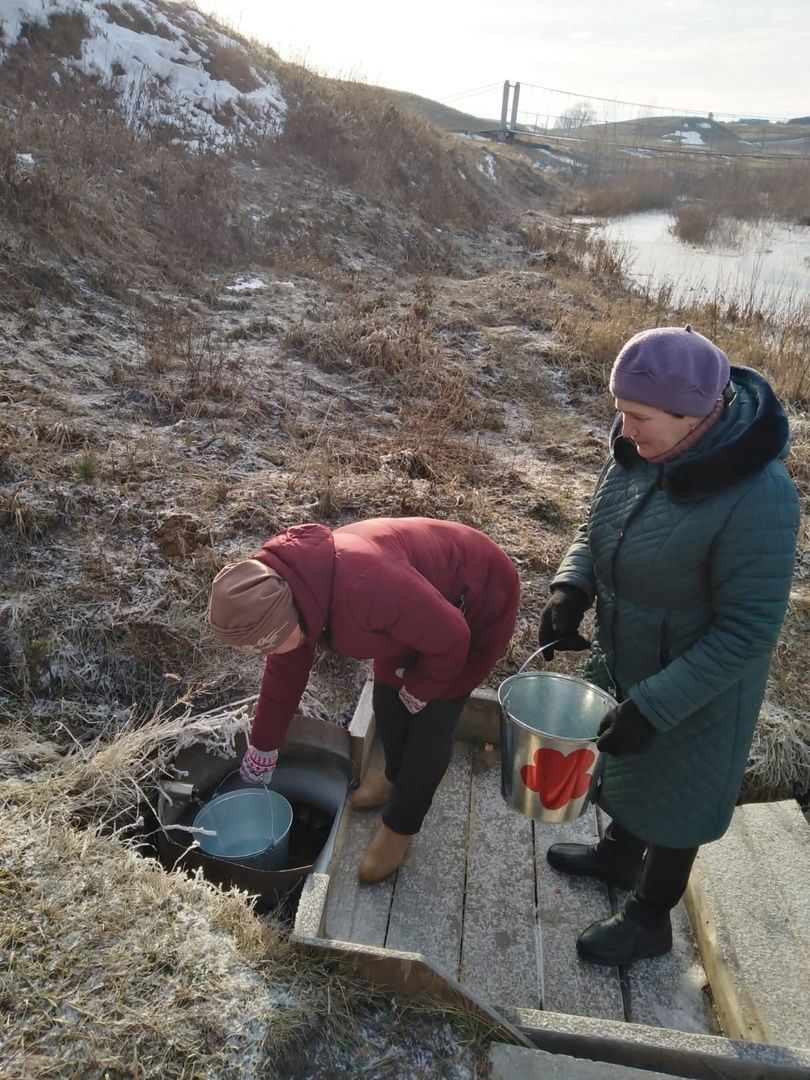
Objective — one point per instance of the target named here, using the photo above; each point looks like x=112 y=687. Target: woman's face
x=292 y=641
x=654 y=431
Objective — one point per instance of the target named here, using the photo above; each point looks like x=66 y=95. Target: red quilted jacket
x=436 y=598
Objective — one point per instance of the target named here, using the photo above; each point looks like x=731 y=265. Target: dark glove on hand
x=560 y=619
x=625 y=730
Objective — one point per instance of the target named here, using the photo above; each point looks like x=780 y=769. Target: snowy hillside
x=167 y=64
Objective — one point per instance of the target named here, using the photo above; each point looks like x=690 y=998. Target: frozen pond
x=766 y=262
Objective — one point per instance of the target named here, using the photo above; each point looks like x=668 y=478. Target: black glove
x=625 y=730
x=560 y=619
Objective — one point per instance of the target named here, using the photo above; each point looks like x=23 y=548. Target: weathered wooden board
x=668 y=991
x=480 y=722
x=428 y=906
x=748 y=901
x=500 y=953
x=361 y=730
x=356 y=912
x=567 y=906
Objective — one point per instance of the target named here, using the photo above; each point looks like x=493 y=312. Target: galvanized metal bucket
x=249 y=826
x=550 y=765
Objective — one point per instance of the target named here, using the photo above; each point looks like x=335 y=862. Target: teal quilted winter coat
x=690 y=564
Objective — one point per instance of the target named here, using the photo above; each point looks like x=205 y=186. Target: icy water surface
x=766 y=262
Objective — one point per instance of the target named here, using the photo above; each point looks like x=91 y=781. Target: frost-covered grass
x=111 y=963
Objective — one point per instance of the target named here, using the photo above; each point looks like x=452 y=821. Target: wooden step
x=749 y=899
x=518 y=1063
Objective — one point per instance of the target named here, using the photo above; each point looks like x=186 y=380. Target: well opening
x=313 y=779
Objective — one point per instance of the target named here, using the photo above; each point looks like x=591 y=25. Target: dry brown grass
x=136 y=212
x=400 y=353
x=746 y=189
x=362 y=138
x=628 y=190
x=139 y=211
x=113 y=521
x=605 y=313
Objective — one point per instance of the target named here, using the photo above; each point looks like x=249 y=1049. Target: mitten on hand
x=258 y=765
x=411 y=703
x=625 y=730
x=560 y=619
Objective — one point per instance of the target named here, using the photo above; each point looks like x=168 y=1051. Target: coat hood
x=305 y=557
x=752 y=433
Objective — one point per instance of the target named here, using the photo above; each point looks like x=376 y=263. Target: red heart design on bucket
x=558 y=778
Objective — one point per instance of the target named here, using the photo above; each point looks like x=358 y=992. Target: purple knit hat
x=679 y=371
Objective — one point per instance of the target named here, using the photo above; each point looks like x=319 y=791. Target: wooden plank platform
x=501 y=952
x=428 y=902
x=476 y=917
x=355 y=912
x=477 y=899
x=566 y=906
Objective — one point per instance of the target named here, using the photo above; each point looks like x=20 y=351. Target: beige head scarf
x=251 y=607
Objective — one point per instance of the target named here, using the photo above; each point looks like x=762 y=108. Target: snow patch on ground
x=487 y=167
x=246 y=283
x=162 y=76
x=561 y=161
x=686 y=138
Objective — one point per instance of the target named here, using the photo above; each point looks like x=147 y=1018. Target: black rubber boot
x=634 y=933
x=616 y=861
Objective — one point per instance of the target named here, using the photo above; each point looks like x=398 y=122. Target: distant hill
x=442 y=115
x=678 y=131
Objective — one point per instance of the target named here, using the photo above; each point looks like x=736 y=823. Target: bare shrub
x=629 y=189
x=694 y=223
x=231 y=64
x=185 y=368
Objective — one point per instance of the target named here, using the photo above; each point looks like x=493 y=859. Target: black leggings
x=417 y=750
x=664 y=872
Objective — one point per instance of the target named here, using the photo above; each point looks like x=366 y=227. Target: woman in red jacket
x=432 y=603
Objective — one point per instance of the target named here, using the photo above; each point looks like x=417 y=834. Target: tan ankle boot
x=373 y=791
x=383 y=855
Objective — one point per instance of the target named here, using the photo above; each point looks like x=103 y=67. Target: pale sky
x=747 y=57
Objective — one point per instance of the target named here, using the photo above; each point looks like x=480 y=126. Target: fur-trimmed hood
x=752 y=433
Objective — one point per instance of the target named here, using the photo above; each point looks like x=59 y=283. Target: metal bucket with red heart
x=549 y=761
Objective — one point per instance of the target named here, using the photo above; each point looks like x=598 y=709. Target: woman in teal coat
x=688 y=552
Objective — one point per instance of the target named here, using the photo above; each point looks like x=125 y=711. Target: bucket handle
x=523 y=667
x=271 y=846
x=537 y=652
x=525 y=664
